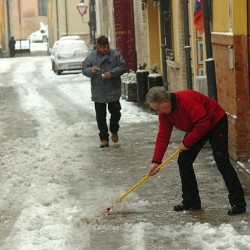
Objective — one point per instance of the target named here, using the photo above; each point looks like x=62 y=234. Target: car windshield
x=71 y=46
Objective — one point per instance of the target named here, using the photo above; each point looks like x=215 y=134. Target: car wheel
x=59 y=72
x=53 y=66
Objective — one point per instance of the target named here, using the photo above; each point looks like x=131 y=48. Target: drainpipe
x=57 y=21
x=187 y=45
x=66 y=16
x=20 y=19
x=163 y=45
x=8 y=20
x=92 y=23
x=211 y=79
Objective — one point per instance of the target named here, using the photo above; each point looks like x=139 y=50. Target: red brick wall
x=233 y=90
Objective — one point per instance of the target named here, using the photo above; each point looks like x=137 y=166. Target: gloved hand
x=153 y=170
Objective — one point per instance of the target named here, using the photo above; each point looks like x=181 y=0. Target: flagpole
x=210 y=65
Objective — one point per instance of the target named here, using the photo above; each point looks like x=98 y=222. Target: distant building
x=20 y=18
x=65 y=20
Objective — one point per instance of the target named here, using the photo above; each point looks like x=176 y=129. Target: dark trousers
x=218 y=139
x=114 y=109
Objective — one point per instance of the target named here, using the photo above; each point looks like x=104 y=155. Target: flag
x=198 y=16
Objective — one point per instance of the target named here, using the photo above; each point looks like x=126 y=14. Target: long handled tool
x=121 y=197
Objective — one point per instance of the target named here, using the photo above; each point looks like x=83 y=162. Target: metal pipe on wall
x=163 y=44
x=210 y=65
x=57 y=21
x=187 y=46
x=8 y=20
x=92 y=22
x=66 y=17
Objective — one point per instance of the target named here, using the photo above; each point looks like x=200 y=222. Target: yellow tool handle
x=147 y=176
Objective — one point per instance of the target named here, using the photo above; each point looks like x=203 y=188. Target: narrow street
x=56 y=180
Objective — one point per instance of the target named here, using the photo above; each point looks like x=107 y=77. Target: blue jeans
x=114 y=109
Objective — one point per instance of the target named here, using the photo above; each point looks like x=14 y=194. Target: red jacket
x=192 y=112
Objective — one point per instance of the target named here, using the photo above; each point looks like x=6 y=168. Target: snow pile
x=55 y=198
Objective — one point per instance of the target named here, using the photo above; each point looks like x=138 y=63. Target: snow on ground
x=35 y=172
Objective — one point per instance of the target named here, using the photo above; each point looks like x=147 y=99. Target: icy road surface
x=55 y=181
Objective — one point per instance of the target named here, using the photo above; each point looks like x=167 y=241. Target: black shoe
x=236 y=210
x=186 y=207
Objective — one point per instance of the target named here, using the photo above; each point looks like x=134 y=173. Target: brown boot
x=104 y=143
x=115 y=137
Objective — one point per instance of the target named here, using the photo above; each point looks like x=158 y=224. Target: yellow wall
x=239 y=17
x=61 y=25
x=221 y=18
x=153 y=36
x=3 y=31
x=226 y=15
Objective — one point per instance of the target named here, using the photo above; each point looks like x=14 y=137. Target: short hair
x=102 y=40
x=158 y=95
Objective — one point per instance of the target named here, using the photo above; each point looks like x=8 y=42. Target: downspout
x=210 y=65
x=163 y=44
x=92 y=22
x=8 y=20
x=20 y=19
x=57 y=21
x=187 y=46
x=66 y=17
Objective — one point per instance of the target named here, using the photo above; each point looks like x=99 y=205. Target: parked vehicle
x=52 y=54
x=40 y=35
x=69 y=55
x=70 y=38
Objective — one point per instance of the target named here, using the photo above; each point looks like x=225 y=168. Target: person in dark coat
x=105 y=66
x=203 y=119
x=12 y=46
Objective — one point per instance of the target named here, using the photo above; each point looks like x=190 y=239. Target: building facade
x=230 y=32
x=163 y=33
x=19 y=18
x=65 y=20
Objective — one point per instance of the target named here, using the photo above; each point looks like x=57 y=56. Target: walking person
x=12 y=46
x=105 y=66
x=203 y=119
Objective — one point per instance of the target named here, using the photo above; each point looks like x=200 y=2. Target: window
x=42 y=7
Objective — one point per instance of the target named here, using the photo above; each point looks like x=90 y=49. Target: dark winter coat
x=192 y=112
x=105 y=90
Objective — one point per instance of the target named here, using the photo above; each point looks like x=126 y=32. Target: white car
x=70 y=38
x=52 y=54
x=40 y=35
x=69 y=55
x=55 y=45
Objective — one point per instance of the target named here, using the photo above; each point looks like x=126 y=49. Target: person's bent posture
x=203 y=119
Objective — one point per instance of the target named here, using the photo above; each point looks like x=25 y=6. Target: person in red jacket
x=203 y=119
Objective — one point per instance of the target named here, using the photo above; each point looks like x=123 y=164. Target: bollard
x=154 y=79
x=142 y=85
